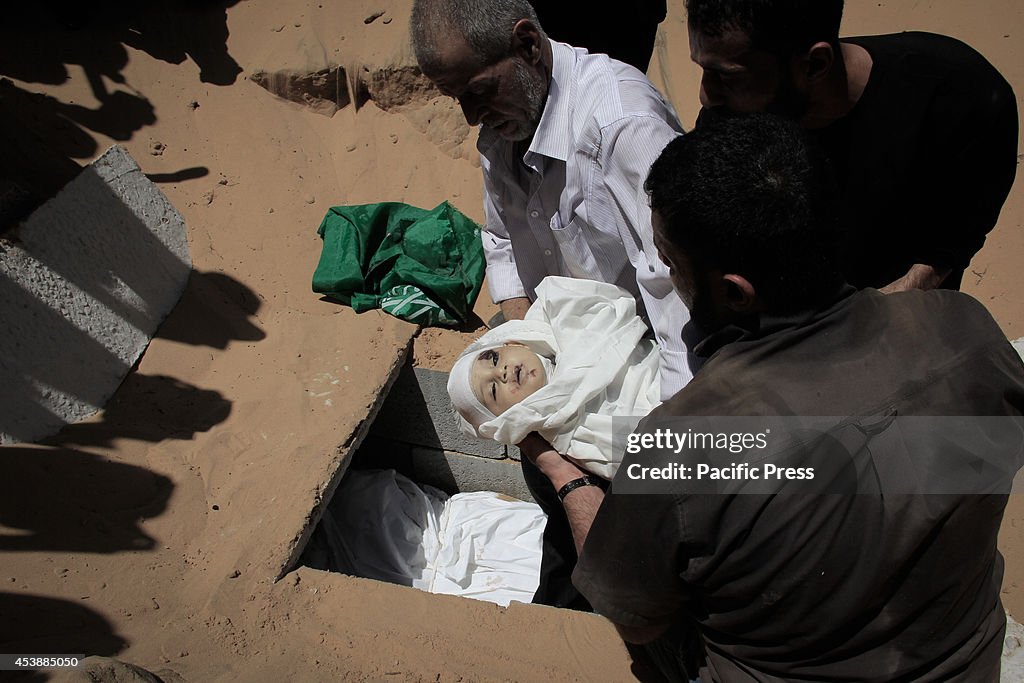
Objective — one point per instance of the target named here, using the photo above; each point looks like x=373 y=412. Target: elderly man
x=921 y=129
x=566 y=141
x=878 y=584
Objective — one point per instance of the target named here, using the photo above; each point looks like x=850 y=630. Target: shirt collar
x=551 y=139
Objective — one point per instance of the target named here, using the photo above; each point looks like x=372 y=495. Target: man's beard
x=532 y=88
x=702 y=311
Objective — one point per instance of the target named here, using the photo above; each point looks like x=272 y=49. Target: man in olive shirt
x=873 y=586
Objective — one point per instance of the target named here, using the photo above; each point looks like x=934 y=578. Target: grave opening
x=420 y=504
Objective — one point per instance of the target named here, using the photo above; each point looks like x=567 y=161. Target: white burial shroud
x=605 y=379
x=381 y=525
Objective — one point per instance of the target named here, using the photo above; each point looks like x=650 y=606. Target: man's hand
x=549 y=461
x=515 y=309
x=920 y=276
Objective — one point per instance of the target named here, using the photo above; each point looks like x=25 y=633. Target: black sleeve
x=973 y=161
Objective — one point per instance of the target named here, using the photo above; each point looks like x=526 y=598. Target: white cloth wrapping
x=460 y=390
x=381 y=525
x=490 y=548
x=605 y=377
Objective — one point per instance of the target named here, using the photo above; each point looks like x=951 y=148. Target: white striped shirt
x=574 y=203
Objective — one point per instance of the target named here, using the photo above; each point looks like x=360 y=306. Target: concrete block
x=418 y=411
x=456 y=472
x=84 y=283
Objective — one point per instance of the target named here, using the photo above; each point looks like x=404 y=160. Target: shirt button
x=534 y=214
x=547 y=252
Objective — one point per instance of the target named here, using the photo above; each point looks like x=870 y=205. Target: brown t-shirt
x=826 y=587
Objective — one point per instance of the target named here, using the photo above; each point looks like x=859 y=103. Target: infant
x=493 y=379
x=577 y=370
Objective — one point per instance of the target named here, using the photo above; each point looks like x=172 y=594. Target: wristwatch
x=570 y=486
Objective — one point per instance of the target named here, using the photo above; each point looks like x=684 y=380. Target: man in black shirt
x=873 y=582
x=626 y=36
x=920 y=128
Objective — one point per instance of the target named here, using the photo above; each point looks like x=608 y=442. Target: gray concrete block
x=83 y=286
x=418 y=411
x=456 y=472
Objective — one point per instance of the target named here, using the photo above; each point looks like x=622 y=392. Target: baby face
x=505 y=376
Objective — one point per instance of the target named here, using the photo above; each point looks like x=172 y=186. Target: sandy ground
x=154 y=531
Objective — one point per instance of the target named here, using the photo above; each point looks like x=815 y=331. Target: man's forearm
x=581 y=507
x=515 y=309
x=580 y=504
x=920 y=276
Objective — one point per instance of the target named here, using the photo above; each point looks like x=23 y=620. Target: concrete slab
x=419 y=412
x=465 y=473
x=447 y=470
x=324 y=473
x=84 y=283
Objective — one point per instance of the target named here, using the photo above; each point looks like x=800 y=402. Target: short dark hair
x=782 y=27
x=750 y=194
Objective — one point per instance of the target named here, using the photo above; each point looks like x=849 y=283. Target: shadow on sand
x=45 y=41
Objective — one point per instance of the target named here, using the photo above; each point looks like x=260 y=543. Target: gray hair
x=486 y=25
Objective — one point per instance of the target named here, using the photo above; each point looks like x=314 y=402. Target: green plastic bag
x=373 y=253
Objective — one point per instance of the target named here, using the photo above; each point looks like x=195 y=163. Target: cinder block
x=418 y=411
x=456 y=472
x=84 y=284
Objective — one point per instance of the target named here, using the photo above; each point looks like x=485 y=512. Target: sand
x=155 y=531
